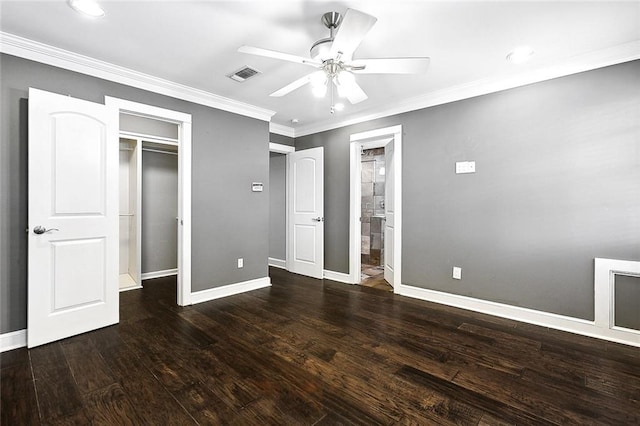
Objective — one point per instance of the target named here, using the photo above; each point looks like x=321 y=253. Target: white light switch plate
x=457 y=273
x=465 y=167
x=240 y=262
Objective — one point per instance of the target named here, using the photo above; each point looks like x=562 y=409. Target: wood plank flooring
x=317 y=352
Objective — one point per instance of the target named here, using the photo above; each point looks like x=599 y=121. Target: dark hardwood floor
x=314 y=352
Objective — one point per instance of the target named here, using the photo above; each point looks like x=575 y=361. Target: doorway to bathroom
x=372 y=217
x=375 y=208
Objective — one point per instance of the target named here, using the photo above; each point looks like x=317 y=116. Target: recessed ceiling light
x=520 y=54
x=87 y=7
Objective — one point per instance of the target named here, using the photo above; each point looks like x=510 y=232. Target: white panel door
x=389 y=212
x=306 y=212
x=73 y=217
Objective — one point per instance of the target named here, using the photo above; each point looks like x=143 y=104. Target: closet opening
x=149 y=200
x=150 y=127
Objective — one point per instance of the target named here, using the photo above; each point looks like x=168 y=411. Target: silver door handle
x=317 y=219
x=41 y=230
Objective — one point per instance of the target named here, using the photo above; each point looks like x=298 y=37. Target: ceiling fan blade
x=295 y=85
x=278 y=55
x=390 y=66
x=355 y=25
x=349 y=88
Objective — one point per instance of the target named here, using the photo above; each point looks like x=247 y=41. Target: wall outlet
x=240 y=262
x=457 y=273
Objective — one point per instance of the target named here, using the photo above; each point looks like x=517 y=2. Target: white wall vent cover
x=243 y=74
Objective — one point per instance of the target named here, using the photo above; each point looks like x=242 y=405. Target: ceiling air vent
x=243 y=74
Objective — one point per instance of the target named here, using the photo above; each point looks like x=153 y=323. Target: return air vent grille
x=243 y=74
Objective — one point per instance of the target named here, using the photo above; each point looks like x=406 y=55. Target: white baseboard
x=229 y=290
x=277 y=263
x=337 y=276
x=137 y=287
x=530 y=316
x=13 y=340
x=158 y=274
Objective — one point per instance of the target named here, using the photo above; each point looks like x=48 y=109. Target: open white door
x=306 y=212
x=73 y=217
x=389 y=212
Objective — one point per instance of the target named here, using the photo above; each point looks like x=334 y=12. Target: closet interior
x=130 y=207
x=148 y=199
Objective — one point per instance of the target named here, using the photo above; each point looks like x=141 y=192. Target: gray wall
x=557 y=184
x=229 y=152
x=282 y=140
x=277 y=206
x=159 y=211
x=148 y=126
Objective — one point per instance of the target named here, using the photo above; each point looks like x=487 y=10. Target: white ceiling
x=195 y=43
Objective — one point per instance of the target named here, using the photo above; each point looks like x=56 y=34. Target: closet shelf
x=126 y=214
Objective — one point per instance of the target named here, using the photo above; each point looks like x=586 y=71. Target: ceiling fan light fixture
x=318 y=82
x=343 y=82
x=89 y=8
x=520 y=55
x=339 y=106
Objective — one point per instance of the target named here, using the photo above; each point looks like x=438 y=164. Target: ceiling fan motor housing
x=332 y=20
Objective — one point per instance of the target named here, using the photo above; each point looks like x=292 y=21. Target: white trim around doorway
x=373 y=139
x=280 y=148
x=183 y=121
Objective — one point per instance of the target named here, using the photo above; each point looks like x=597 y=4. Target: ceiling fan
x=333 y=57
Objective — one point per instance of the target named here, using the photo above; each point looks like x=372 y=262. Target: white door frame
x=285 y=150
x=184 y=182
x=371 y=139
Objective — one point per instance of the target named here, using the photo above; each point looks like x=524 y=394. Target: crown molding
x=577 y=64
x=50 y=55
x=279 y=129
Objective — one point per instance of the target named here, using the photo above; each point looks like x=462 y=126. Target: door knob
x=317 y=219
x=41 y=229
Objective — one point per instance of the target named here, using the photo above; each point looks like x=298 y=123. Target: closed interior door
x=73 y=217
x=306 y=212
